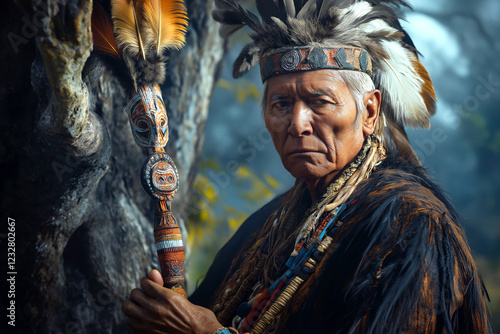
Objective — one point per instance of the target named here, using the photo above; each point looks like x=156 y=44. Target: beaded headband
x=295 y=59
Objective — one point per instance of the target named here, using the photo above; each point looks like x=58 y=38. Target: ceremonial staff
x=137 y=34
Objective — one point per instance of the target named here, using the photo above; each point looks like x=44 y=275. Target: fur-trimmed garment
x=400 y=263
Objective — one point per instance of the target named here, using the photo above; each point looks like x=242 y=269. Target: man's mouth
x=301 y=151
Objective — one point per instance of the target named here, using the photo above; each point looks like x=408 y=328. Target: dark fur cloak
x=400 y=264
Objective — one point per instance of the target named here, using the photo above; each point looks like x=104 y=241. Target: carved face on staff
x=148 y=117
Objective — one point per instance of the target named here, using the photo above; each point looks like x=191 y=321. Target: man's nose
x=300 y=120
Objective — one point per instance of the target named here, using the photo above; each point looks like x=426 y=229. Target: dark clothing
x=401 y=263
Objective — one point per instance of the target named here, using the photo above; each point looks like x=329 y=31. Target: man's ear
x=372 y=101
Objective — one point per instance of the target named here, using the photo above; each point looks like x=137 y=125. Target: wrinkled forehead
x=306 y=83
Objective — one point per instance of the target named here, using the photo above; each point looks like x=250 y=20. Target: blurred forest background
x=459 y=41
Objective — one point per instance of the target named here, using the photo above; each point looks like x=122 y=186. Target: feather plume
x=280 y=23
x=230 y=13
x=306 y=9
x=397 y=139
x=325 y=7
x=408 y=97
x=290 y=8
x=127 y=26
x=404 y=87
x=248 y=58
x=143 y=30
x=427 y=92
x=102 y=32
x=270 y=8
x=164 y=25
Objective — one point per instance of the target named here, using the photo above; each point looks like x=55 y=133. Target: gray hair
x=358 y=83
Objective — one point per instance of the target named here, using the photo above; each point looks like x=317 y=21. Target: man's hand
x=156 y=309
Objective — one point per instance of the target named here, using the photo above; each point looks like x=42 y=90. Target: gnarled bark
x=83 y=221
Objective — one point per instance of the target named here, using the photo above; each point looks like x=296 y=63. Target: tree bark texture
x=71 y=168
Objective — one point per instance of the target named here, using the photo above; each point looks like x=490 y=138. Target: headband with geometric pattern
x=295 y=59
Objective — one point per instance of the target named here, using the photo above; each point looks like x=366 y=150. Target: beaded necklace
x=314 y=239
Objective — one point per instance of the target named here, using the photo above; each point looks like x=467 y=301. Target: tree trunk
x=71 y=169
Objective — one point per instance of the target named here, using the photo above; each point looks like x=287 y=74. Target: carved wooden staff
x=140 y=30
x=149 y=124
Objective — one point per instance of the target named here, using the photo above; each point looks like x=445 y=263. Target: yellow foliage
x=206 y=188
x=271 y=181
x=241 y=94
x=243 y=89
x=203 y=215
x=224 y=84
x=254 y=92
x=247 y=90
x=212 y=221
x=243 y=172
x=234 y=224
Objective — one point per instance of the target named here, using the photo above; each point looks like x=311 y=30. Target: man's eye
x=281 y=105
x=320 y=102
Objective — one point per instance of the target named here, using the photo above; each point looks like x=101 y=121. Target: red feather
x=428 y=94
x=102 y=31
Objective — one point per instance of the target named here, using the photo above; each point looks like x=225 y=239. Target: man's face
x=311 y=117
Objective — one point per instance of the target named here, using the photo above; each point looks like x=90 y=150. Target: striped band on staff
x=168 y=244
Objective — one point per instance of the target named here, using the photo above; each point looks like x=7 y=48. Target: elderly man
x=364 y=242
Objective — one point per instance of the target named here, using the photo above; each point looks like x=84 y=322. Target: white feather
x=377 y=25
x=356 y=10
x=349 y=14
x=307 y=9
x=280 y=23
x=399 y=78
x=289 y=7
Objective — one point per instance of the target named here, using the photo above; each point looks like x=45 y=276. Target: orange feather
x=428 y=94
x=102 y=32
x=165 y=24
x=127 y=20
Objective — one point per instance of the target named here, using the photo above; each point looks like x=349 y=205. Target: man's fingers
x=143 y=316
x=139 y=297
x=151 y=288
x=132 y=310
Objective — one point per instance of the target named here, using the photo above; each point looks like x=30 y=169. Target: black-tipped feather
x=230 y=13
x=395 y=3
x=270 y=8
x=247 y=59
x=299 y=4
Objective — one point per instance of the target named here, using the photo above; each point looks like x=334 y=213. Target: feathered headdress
x=138 y=32
x=292 y=37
